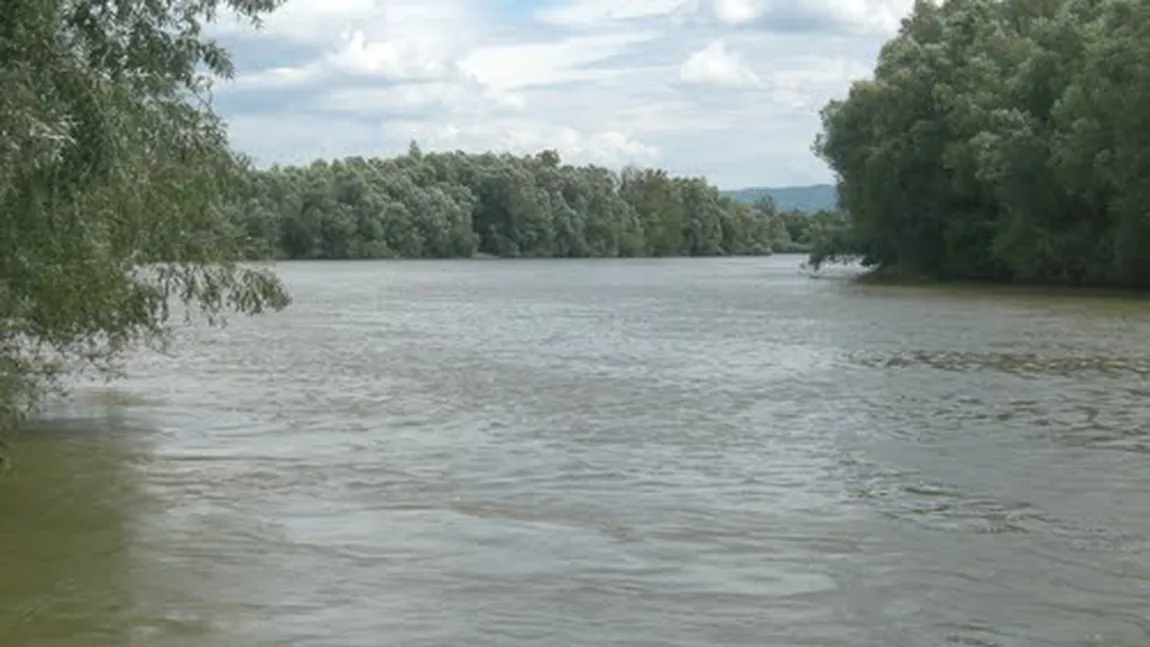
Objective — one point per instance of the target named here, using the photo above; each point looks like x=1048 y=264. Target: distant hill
x=803 y=198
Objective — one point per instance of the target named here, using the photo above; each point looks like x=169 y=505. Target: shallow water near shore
x=603 y=452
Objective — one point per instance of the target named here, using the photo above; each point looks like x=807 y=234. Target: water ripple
x=660 y=452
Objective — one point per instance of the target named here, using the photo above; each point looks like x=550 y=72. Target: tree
x=1002 y=140
x=440 y=205
x=112 y=171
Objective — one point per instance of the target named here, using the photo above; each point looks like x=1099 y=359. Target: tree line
x=449 y=205
x=1004 y=140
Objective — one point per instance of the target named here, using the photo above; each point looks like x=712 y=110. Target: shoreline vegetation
x=112 y=160
x=464 y=205
x=895 y=276
x=999 y=141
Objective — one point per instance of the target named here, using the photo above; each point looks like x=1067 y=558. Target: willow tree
x=112 y=165
x=1005 y=140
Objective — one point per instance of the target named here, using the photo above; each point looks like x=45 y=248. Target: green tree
x=112 y=166
x=441 y=205
x=1003 y=140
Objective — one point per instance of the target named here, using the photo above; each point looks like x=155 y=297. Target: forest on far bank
x=458 y=205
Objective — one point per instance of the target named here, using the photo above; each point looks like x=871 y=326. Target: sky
x=726 y=89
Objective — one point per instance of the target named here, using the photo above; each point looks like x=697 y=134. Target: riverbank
x=483 y=256
x=894 y=277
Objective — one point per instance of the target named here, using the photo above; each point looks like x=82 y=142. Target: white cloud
x=607 y=147
x=584 y=13
x=321 y=21
x=867 y=16
x=716 y=65
x=387 y=39
x=440 y=95
x=305 y=20
x=728 y=88
x=298 y=137
x=879 y=17
x=519 y=65
x=807 y=82
x=341 y=137
x=736 y=12
x=398 y=59
x=278 y=77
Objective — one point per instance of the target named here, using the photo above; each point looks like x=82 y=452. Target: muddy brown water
x=634 y=452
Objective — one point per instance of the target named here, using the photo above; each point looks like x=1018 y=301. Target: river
x=634 y=452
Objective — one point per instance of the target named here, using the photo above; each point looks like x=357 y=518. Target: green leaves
x=1001 y=140
x=455 y=205
x=109 y=164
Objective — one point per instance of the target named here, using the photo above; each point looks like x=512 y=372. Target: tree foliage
x=110 y=162
x=1005 y=140
x=443 y=205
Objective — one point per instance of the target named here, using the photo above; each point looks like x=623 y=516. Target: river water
x=639 y=452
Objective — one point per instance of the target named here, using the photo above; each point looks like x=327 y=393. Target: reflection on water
x=657 y=452
x=65 y=544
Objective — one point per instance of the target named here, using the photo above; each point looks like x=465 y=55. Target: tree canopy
x=443 y=205
x=1005 y=140
x=111 y=162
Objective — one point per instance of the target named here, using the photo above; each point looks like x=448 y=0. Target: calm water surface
x=656 y=452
